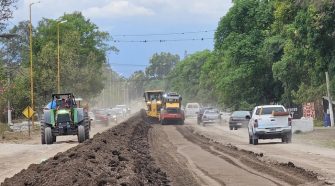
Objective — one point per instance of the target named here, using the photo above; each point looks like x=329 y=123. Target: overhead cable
x=161 y=40
x=162 y=34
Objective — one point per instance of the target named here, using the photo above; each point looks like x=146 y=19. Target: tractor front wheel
x=81 y=134
x=48 y=135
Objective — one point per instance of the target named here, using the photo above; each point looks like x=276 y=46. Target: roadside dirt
x=119 y=156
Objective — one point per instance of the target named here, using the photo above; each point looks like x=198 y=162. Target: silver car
x=211 y=116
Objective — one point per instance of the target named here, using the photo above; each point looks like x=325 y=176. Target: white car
x=192 y=109
x=91 y=116
x=124 y=109
x=270 y=122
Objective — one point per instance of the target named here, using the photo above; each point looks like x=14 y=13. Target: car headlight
x=114 y=116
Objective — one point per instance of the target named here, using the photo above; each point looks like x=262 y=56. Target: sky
x=152 y=19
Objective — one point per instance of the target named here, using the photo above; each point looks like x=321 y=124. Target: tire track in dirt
x=280 y=174
x=169 y=160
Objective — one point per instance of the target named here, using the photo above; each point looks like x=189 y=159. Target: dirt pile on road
x=119 y=156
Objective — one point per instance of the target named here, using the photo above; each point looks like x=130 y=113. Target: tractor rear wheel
x=42 y=132
x=81 y=134
x=48 y=135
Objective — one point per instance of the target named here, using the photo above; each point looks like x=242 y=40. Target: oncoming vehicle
x=238 y=119
x=118 y=112
x=192 y=109
x=153 y=100
x=124 y=109
x=201 y=113
x=63 y=117
x=211 y=116
x=171 y=109
x=270 y=122
x=101 y=116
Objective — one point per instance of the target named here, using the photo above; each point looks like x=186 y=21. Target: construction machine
x=171 y=111
x=153 y=100
x=64 y=117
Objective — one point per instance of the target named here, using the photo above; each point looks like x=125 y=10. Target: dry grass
x=320 y=136
x=8 y=135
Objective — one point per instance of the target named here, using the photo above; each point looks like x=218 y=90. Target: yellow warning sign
x=28 y=112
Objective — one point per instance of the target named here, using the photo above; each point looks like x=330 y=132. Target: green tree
x=243 y=76
x=161 y=64
x=185 y=78
x=82 y=56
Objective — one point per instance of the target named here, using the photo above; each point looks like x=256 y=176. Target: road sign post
x=28 y=112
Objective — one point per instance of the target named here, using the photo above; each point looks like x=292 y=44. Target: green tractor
x=63 y=117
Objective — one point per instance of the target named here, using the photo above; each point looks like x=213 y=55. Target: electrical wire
x=161 y=40
x=163 y=34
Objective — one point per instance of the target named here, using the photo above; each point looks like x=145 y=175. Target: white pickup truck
x=269 y=122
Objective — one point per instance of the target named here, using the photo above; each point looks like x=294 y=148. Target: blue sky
x=139 y=17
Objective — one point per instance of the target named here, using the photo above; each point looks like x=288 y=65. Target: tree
x=161 y=64
x=185 y=78
x=6 y=12
x=82 y=56
x=137 y=81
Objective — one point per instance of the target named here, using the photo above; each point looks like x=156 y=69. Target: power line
x=163 y=34
x=161 y=40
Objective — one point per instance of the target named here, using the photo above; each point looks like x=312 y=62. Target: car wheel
x=289 y=138
x=254 y=140
x=231 y=128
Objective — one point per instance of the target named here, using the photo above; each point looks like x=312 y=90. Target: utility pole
x=31 y=61
x=9 y=110
x=330 y=105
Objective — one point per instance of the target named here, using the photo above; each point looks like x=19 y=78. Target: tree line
x=83 y=49
x=264 y=52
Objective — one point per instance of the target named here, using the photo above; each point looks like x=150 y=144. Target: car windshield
x=171 y=110
x=268 y=110
x=117 y=110
x=192 y=106
x=241 y=114
x=211 y=112
x=101 y=112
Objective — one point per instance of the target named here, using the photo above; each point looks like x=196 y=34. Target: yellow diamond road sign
x=28 y=112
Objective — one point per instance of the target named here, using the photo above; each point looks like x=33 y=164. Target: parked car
x=270 y=122
x=238 y=119
x=192 y=109
x=201 y=113
x=211 y=116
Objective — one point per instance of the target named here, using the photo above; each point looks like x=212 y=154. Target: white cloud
x=118 y=9
x=108 y=12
